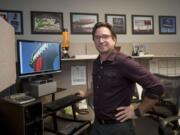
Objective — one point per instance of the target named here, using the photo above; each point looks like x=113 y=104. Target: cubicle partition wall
x=7 y=55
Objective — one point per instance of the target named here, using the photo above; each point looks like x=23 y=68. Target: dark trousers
x=125 y=128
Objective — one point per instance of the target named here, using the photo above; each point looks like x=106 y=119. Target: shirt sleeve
x=138 y=73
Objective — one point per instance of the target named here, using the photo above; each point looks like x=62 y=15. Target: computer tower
x=21 y=119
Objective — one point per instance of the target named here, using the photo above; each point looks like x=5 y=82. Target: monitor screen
x=38 y=57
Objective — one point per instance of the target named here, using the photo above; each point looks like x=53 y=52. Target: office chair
x=163 y=118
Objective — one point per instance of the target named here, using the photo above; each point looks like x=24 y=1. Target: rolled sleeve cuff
x=152 y=96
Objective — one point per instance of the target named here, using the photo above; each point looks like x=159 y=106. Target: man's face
x=103 y=40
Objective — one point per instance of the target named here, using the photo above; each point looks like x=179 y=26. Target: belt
x=101 y=121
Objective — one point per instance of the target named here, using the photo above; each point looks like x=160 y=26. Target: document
x=78 y=75
x=153 y=66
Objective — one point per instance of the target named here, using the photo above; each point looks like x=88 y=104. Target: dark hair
x=107 y=25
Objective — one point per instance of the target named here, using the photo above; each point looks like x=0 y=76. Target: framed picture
x=15 y=18
x=118 y=22
x=142 y=24
x=83 y=23
x=46 y=22
x=167 y=24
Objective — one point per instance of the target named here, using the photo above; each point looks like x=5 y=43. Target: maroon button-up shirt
x=114 y=82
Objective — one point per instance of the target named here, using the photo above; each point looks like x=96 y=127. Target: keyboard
x=62 y=102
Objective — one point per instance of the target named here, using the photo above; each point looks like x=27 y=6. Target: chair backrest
x=168 y=106
x=172 y=90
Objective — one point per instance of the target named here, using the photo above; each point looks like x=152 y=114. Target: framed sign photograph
x=83 y=23
x=118 y=22
x=142 y=24
x=167 y=24
x=15 y=18
x=46 y=22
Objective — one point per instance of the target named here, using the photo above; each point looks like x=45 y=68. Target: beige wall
x=82 y=44
x=127 y=7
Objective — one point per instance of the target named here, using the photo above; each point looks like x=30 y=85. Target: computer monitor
x=38 y=57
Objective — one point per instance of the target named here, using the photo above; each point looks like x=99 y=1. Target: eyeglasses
x=103 y=37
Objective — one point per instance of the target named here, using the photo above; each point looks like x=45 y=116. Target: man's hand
x=124 y=113
x=82 y=93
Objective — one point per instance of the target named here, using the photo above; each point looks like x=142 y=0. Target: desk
x=21 y=119
x=66 y=126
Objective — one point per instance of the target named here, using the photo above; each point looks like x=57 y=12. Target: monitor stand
x=40 y=88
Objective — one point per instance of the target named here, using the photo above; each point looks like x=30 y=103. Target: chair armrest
x=165 y=121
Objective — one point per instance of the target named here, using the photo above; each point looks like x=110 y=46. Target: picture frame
x=15 y=18
x=142 y=24
x=118 y=22
x=83 y=23
x=167 y=24
x=46 y=22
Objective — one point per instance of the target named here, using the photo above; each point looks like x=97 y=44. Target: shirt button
x=97 y=87
x=101 y=67
x=99 y=77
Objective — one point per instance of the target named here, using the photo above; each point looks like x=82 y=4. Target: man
x=114 y=78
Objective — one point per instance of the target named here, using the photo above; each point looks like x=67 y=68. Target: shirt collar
x=111 y=56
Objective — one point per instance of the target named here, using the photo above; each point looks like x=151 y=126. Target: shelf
x=34 y=121
x=144 y=56
x=59 y=125
x=67 y=127
x=94 y=56
x=167 y=56
x=82 y=57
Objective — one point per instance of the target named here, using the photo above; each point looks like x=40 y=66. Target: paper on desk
x=78 y=75
x=82 y=104
x=139 y=90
